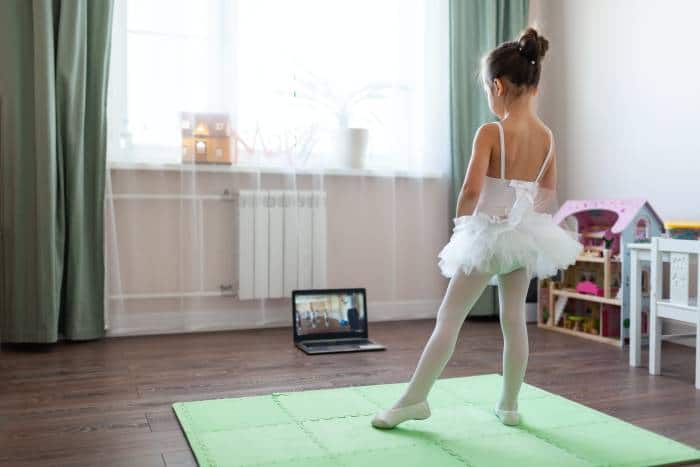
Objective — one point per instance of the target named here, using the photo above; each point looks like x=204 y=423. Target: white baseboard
x=254 y=314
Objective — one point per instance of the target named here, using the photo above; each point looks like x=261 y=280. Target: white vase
x=352 y=147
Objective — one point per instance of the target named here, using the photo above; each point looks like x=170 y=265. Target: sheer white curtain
x=339 y=121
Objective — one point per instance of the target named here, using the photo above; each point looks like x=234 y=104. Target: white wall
x=620 y=91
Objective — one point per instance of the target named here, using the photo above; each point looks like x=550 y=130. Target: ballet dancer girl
x=502 y=228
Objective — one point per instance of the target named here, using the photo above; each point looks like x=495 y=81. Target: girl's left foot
x=390 y=418
x=508 y=417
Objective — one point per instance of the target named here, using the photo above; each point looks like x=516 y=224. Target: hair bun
x=532 y=46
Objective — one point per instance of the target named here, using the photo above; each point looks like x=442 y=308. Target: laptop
x=331 y=320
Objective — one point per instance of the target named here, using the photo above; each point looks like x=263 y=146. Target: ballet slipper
x=387 y=419
x=508 y=417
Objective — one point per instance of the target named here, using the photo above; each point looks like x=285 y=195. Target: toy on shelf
x=575 y=321
x=559 y=307
x=611 y=321
x=597 y=239
x=590 y=298
x=588 y=287
x=590 y=325
x=683 y=230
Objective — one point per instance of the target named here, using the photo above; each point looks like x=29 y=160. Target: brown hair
x=519 y=61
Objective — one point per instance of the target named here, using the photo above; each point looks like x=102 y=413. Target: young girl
x=500 y=229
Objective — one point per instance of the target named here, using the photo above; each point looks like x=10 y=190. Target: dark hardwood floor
x=107 y=403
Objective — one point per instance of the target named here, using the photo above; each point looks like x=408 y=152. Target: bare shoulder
x=488 y=131
x=486 y=136
x=547 y=132
x=550 y=142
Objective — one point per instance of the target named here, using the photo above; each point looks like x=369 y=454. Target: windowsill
x=213 y=168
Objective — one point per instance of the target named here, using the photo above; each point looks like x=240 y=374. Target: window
x=295 y=79
x=641 y=230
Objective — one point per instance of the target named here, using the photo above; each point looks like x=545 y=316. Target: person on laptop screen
x=324 y=313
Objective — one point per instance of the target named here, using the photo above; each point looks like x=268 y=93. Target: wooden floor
x=107 y=403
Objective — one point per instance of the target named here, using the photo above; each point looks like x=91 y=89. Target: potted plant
x=352 y=142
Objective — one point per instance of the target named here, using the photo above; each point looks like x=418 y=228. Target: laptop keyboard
x=344 y=343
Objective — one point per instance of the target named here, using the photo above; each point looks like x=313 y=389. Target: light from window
x=293 y=76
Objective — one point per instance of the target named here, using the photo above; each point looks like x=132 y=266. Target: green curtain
x=476 y=26
x=54 y=59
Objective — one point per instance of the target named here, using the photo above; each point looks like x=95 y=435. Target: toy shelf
x=595 y=259
x=595 y=337
x=594 y=316
x=571 y=293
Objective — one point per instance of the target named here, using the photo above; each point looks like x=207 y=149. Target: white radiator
x=281 y=242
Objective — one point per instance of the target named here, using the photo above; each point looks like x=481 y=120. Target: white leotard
x=498 y=194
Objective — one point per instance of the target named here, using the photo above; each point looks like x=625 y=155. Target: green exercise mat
x=331 y=427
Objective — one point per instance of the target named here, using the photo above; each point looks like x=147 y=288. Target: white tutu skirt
x=497 y=246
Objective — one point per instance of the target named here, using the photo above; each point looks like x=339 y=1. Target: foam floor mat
x=331 y=427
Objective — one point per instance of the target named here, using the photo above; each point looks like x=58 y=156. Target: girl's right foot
x=508 y=417
x=387 y=419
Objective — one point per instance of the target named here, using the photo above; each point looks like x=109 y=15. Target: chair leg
x=697 y=356
x=655 y=293
x=654 y=346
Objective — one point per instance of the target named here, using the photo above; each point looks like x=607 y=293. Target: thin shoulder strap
x=546 y=159
x=502 y=141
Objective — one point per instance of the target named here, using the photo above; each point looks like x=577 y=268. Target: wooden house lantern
x=206 y=138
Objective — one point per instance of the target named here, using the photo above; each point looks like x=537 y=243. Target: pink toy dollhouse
x=596 y=289
x=599 y=221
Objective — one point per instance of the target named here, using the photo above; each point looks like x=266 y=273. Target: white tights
x=462 y=292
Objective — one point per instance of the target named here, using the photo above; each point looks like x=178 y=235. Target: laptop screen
x=329 y=314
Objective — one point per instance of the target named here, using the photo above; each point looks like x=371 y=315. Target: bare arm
x=549 y=178
x=546 y=199
x=484 y=140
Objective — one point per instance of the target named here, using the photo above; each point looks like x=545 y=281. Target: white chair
x=679 y=305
